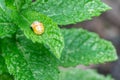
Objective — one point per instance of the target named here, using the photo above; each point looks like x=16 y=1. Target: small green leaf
x=28 y=61
x=7 y=27
x=65 y=12
x=52 y=35
x=83 y=47
x=79 y=74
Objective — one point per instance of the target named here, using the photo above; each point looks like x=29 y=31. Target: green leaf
x=78 y=74
x=3 y=67
x=28 y=61
x=52 y=35
x=83 y=47
x=7 y=27
x=65 y=12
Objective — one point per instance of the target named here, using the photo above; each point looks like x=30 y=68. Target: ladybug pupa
x=37 y=27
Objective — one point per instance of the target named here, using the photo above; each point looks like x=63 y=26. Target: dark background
x=108 y=27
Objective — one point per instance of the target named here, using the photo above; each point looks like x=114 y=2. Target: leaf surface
x=28 y=61
x=7 y=27
x=83 y=47
x=65 y=12
x=51 y=37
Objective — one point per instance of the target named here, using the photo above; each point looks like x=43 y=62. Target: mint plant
x=25 y=55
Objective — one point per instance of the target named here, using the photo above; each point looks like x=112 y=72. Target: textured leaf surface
x=78 y=74
x=6 y=25
x=70 y=11
x=29 y=61
x=52 y=35
x=83 y=47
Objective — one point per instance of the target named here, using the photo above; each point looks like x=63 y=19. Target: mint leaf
x=29 y=61
x=83 y=47
x=7 y=27
x=52 y=35
x=65 y=12
x=79 y=74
